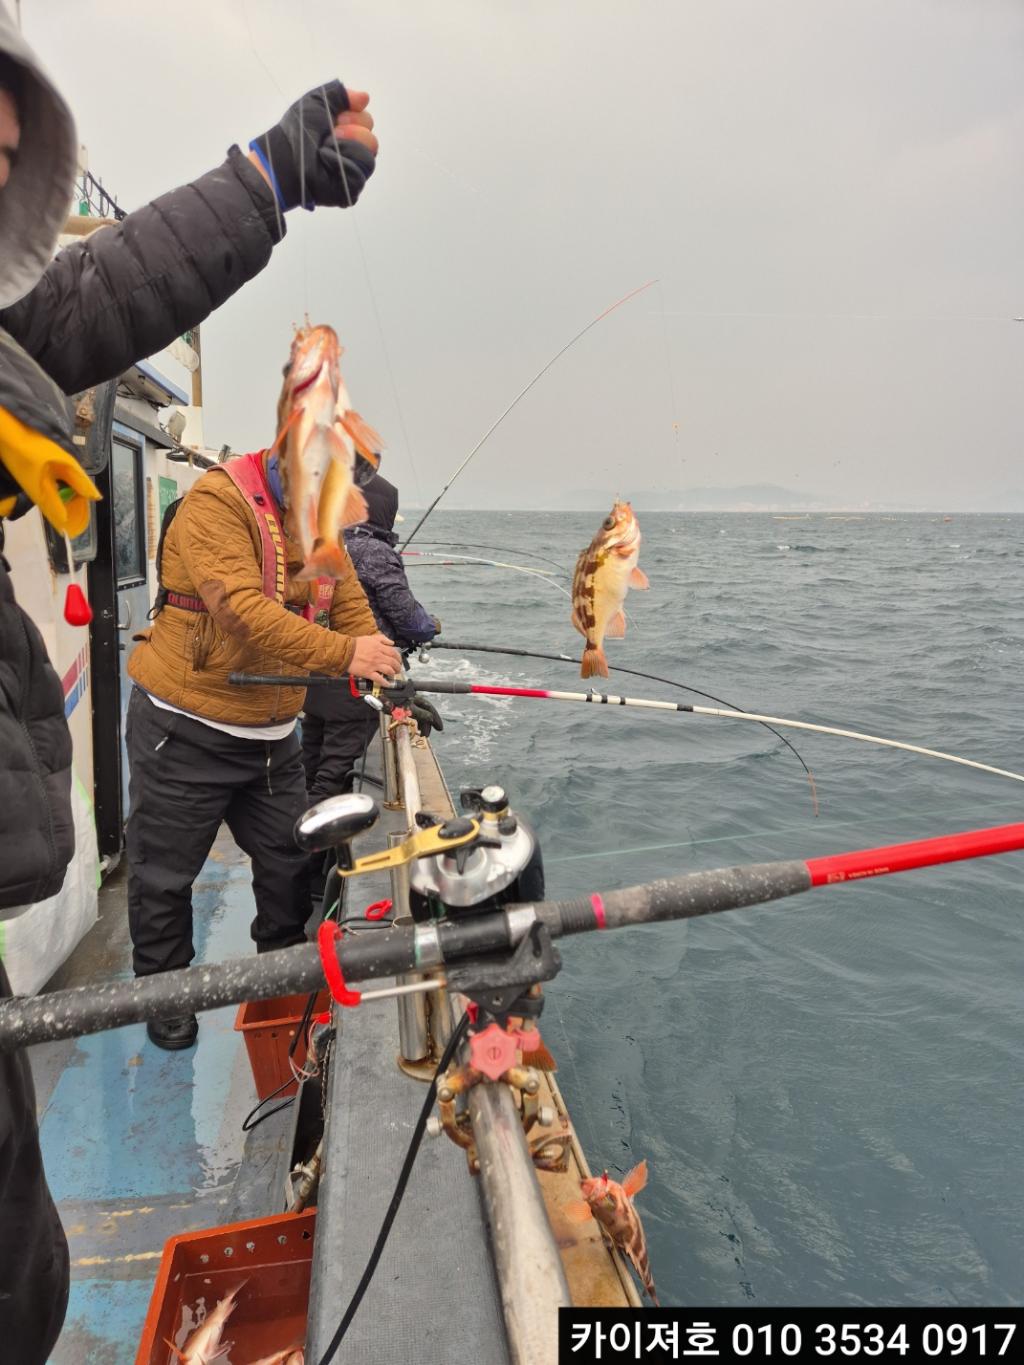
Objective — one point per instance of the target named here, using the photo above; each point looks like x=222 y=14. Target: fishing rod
x=635 y=673
x=462 y=939
x=403 y=692
x=522 y=394
x=609 y=699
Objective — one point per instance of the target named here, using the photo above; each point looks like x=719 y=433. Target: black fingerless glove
x=425 y=715
x=307 y=165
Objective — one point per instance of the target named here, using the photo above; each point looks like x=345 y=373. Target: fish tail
x=594 y=663
x=326 y=561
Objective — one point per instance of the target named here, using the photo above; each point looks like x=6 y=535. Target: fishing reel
x=468 y=865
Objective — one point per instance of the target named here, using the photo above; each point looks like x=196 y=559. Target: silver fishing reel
x=483 y=869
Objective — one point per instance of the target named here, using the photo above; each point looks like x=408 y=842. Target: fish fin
x=356 y=509
x=539 y=1056
x=366 y=440
x=326 y=561
x=174 y=1349
x=593 y=663
x=286 y=426
x=616 y=627
x=638 y=579
x=577 y=1211
x=636 y=1179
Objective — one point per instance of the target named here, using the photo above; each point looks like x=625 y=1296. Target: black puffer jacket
x=35 y=773
x=104 y=303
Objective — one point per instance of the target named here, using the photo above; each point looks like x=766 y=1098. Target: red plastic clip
x=323 y=1018
x=328 y=936
x=353 y=686
x=377 y=910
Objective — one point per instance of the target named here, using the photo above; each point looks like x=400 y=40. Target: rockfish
x=204 y=1345
x=319 y=438
x=605 y=572
x=612 y=1205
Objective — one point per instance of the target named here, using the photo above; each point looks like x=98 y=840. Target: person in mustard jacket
x=203 y=750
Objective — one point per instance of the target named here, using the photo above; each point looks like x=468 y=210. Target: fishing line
x=373 y=302
x=851 y=317
x=521 y=394
x=451 y=559
x=438 y=561
x=501 y=550
x=668 y=367
x=636 y=673
x=764 y=833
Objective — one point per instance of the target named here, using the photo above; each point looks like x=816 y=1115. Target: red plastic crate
x=268 y=1027
x=269 y=1258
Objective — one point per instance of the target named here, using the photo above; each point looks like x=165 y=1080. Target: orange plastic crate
x=270 y=1258
x=268 y=1027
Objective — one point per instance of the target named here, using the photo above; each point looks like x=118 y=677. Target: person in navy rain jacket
x=337 y=727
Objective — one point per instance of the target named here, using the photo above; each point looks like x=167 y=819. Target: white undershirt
x=258 y=732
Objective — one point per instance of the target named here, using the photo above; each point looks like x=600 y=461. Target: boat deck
x=141 y=1145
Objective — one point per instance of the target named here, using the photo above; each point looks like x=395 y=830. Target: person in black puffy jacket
x=337 y=727
x=67 y=323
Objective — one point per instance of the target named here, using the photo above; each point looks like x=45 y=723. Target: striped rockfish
x=612 y=1205
x=605 y=572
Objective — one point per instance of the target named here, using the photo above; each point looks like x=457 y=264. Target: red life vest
x=247 y=474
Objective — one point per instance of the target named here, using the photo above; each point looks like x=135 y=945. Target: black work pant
x=185 y=779
x=336 y=728
x=34 y=1275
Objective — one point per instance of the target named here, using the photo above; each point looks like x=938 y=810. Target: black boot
x=174 y=1034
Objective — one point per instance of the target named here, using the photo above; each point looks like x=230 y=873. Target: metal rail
x=529 y=1267
x=531 y=1277
x=400 y=768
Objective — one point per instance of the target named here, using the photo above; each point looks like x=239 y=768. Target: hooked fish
x=612 y=1205
x=320 y=435
x=204 y=1345
x=605 y=572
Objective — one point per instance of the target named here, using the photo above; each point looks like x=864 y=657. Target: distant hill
x=760 y=497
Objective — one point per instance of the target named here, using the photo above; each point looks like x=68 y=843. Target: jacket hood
x=35 y=201
x=382 y=504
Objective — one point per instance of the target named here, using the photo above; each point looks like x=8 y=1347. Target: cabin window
x=129 y=519
x=83 y=547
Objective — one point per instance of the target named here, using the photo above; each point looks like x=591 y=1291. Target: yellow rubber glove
x=39 y=465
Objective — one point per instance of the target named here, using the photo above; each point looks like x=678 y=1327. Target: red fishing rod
x=461 y=940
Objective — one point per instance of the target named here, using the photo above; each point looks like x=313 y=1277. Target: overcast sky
x=829 y=191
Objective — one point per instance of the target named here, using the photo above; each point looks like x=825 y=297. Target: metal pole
x=413 y=1040
x=529 y=1267
x=408 y=778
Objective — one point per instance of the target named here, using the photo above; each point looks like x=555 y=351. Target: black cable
x=636 y=673
x=248 y=1126
x=458 y=1034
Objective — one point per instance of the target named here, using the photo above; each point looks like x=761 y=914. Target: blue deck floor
x=141 y=1144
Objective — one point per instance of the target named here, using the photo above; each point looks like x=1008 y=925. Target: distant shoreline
x=793 y=514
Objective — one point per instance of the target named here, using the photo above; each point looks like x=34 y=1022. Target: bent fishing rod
x=522 y=394
x=401 y=694
x=459 y=941
x=635 y=673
